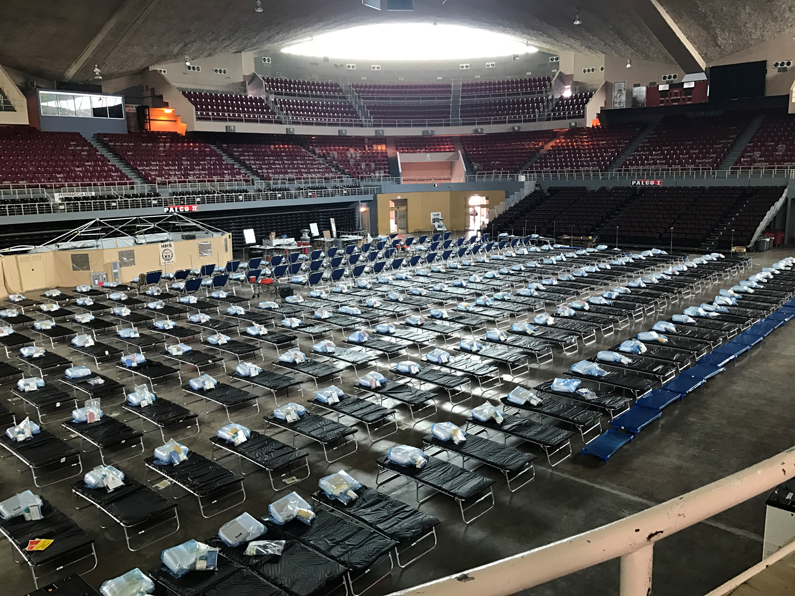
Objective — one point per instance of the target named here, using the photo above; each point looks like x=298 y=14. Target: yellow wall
x=451 y=204
x=41 y=271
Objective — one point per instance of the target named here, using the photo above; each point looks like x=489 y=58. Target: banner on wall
x=620 y=94
x=181 y=208
x=647 y=183
x=167 y=256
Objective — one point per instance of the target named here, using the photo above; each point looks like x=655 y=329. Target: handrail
x=632 y=539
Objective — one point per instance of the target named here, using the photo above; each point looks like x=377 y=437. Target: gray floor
x=737 y=419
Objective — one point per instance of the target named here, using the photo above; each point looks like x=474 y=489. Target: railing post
x=636 y=568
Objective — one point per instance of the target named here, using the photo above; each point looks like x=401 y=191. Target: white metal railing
x=680 y=173
x=771 y=213
x=631 y=539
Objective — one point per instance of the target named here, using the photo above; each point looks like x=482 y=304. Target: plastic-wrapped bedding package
x=439 y=287
x=358 y=337
x=218 y=339
x=178 y=349
x=104 y=477
x=600 y=300
x=329 y=395
x=632 y=346
x=384 y=279
x=615 y=357
x=522 y=327
x=465 y=306
x=407 y=456
x=268 y=305
x=487 y=412
x=256 y=330
x=728 y=293
x=188 y=300
x=16 y=298
x=611 y=295
x=90 y=413
x=219 y=294
x=141 y=396
x=293 y=355
x=317 y=294
x=133 y=360
x=394 y=297
x=695 y=311
x=475 y=279
x=372 y=380
x=234 y=433
x=82 y=289
x=652 y=336
x=291 y=322
x=164 y=324
x=171 y=453
x=414 y=320
x=372 y=302
x=132 y=583
x=77 y=372
x=621 y=290
x=203 y=383
x=6 y=331
x=742 y=289
x=408 y=367
x=49 y=307
x=294 y=299
x=447 y=431
x=189 y=556
x=438 y=313
x=438 y=356
x=247 y=369
x=588 y=368
x=323 y=313
x=233 y=310
x=289 y=412
x=291 y=507
x=349 y=310
x=340 y=486
x=544 y=319
x=725 y=301
x=484 y=301
x=43 y=325
x=402 y=276
x=8 y=313
x=30 y=384
x=713 y=308
x=244 y=528
x=154 y=291
x=128 y=333
x=502 y=296
x=84 y=317
x=117 y=296
x=521 y=396
x=496 y=335
x=21 y=504
x=664 y=327
x=364 y=284
x=636 y=283
x=460 y=283
x=325 y=346
x=565 y=311
x=386 y=328
x=579 y=305
x=22 y=431
x=418 y=292
x=32 y=352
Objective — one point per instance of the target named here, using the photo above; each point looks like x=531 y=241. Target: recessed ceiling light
x=259 y=6
x=577 y=20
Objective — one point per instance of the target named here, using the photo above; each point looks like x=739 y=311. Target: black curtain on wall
x=736 y=81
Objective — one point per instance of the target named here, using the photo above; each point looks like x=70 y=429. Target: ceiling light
x=577 y=20
x=629 y=63
x=187 y=60
x=429 y=42
x=566 y=92
x=259 y=6
x=97 y=73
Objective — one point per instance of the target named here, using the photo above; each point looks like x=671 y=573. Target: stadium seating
x=51 y=159
x=275 y=158
x=358 y=156
x=420 y=91
x=407 y=105
x=571 y=107
x=528 y=85
x=773 y=144
x=300 y=88
x=425 y=145
x=171 y=157
x=757 y=203
x=682 y=142
x=224 y=106
x=514 y=219
x=513 y=109
x=585 y=148
x=309 y=111
x=503 y=152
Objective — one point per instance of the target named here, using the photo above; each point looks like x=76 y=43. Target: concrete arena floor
x=741 y=417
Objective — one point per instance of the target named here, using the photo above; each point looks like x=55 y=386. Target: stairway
x=256 y=178
x=459 y=146
x=117 y=161
x=455 y=104
x=725 y=226
x=621 y=159
x=741 y=142
x=274 y=105
x=329 y=163
x=543 y=150
x=356 y=102
x=392 y=158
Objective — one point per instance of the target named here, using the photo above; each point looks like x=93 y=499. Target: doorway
x=398 y=216
x=478 y=213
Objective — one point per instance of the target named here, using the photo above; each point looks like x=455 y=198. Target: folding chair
x=353 y=259
x=436 y=237
x=379 y=267
x=409 y=241
x=336 y=275
x=414 y=260
x=396 y=264
x=430 y=257
x=350 y=249
x=366 y=247
x=336 y=262
x=357 y=271
x=314 y=279
x=232 y=266
x=315 y=255
x=331 y=252
x=293 y=257
x=207 y=270
x=315 y=265
x=278 y=272
x=254 y=263
x=372 y=256
x=276 y=260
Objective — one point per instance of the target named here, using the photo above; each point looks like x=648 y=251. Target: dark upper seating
x=301 y=88
x=773 y=144
x=511 y=109
x=522 y=86
x=360 y=157
x=171 y=157
x=571 y=107
x=407 y=105
x=275 y=157
x=424 y=145
x=28 y=156
x=313 y=111
x=504 y=152
x=682 y=142
x=593 y=148
x=225 y=106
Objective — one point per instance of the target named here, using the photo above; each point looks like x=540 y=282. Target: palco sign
x=181 y=209
x=167 y=256
x=647 y=183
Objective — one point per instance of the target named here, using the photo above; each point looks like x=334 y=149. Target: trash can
x=779 y=518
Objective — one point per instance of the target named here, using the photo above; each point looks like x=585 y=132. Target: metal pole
x=616 y=236
x=554 y=230
x=636 y=572
x=731 y=248
x=672 y=241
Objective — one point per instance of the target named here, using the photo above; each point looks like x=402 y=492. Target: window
x=205 y=249
x=80 y=262
x=80 y=105
x=126 y=258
